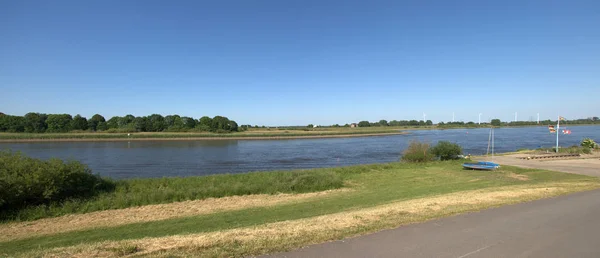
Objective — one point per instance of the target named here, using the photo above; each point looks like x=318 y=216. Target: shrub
x=589 y=143
x=446 y=150
x=417 y=152
x=26 y=181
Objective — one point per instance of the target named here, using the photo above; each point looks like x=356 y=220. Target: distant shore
x=173 y=137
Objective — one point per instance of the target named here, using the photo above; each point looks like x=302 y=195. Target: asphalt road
x=567 y=226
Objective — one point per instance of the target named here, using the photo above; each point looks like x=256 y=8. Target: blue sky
x=299 y=62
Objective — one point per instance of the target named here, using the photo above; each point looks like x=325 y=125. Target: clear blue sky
x=299 y=62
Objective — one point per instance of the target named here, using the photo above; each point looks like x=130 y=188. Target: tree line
x=499 y=123
x=62 y=123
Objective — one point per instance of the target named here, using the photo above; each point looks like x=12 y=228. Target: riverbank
x=374 y=197
x=283 y=135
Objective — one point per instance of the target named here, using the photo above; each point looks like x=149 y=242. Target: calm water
x=185 y=158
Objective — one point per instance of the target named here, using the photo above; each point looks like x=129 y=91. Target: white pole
x=538 y=118
x=480 y=118
x=557 y=132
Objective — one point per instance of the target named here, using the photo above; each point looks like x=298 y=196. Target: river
x=193 y=158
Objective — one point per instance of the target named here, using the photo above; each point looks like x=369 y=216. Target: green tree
x=364 y=124
x=310 y=126
x=496 y=122
x=95 y=121
x=59 y=123
x=188 y=122
x=233 y=126
x=383 y=122
x=79 y=123
x=113 y=122
x=35 y=122
x=429 y=122
x=205 y=121
x=220 y=123
x=13 y=124
x=140 y=123
x=156 y=123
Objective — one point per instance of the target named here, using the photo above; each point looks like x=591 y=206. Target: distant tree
x=79 y=123
x=496 y=122
x=310 y=126
x=206 y=121
x=140 y=124
x=128 y=119
x=413 y=123
x=35 y=123
x=233 y=126
x=220 y=123
x=383 y=122
x=364 y=124
x=156 y=123
x=95 y=121
x=113 y=122
x=429 y=122
x=188 y=122
x=13 y=124
x=347 y=125
x=59 y=123
x=595 y=118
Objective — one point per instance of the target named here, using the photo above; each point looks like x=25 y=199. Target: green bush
x=589 y=143
x=26 y=181
x=446 y=150
x=417 y=152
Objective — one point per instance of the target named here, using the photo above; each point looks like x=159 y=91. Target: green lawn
x=373 y=185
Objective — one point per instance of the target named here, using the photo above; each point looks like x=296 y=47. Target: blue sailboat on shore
x=485 y=165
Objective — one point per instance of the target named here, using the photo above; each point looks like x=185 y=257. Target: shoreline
x=206 y=138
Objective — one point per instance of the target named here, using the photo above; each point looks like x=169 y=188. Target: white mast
x=479 y=118
x=515 y=116
x=538 y=121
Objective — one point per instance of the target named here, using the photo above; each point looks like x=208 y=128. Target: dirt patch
x=289 y=234
x=518 y=176
x=109 y=218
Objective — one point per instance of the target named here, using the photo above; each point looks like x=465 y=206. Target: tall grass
x=417 y=152
x=137 y=192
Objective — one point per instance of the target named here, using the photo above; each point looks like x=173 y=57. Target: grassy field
x=374 y=197
x=252 y=133
x=138 y=192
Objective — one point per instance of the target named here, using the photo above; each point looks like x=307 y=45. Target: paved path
x=589 y=166
x=567 y=226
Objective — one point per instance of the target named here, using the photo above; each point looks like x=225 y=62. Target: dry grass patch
x=518 y=176
x=110 y=218
x=286 y=235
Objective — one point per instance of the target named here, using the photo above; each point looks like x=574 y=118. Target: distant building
x=353 y=125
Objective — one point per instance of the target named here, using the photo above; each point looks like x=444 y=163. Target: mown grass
x=137 y=192
x=373 y=185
